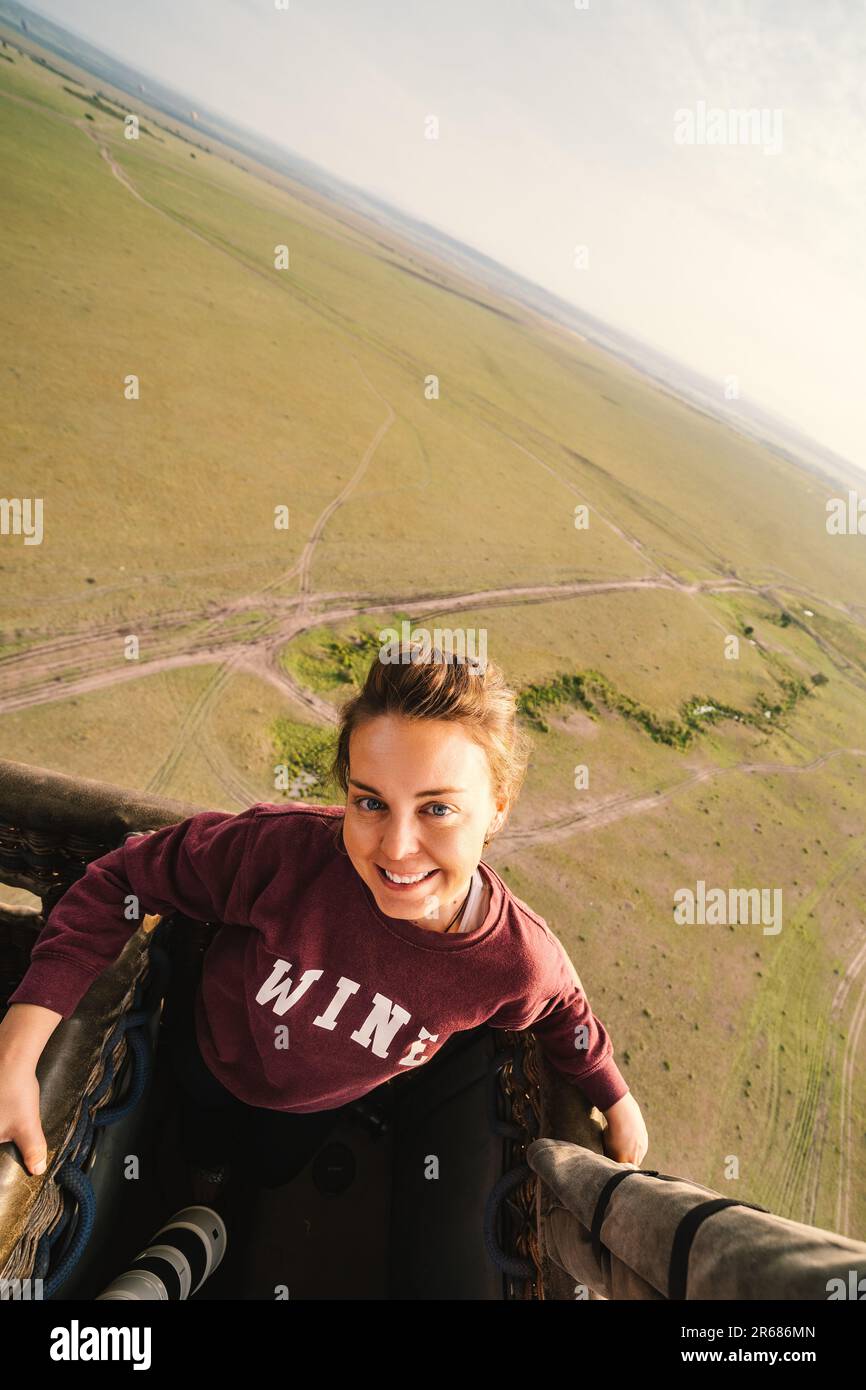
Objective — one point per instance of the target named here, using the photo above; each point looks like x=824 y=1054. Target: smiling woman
x=431 y=759
x=367 y=976
x=417 y=846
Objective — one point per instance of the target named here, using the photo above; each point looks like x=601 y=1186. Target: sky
x=567 y=124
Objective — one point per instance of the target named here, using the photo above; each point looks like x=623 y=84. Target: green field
x=304 y=388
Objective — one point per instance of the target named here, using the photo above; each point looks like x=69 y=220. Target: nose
x=399 y=838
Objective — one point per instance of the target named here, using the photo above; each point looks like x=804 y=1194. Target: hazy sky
x=557 y=129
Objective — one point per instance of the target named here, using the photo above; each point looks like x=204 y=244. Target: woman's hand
x=625 y=1140
x=19 y=1114
x=24 y=1031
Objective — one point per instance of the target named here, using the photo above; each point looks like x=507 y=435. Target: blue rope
x=79 y=1186
x=79 y=1213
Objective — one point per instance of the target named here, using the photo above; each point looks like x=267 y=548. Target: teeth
x=409 y=878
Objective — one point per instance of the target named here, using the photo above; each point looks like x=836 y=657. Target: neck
x=452 y=922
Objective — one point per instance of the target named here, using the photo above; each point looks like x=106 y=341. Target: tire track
x=193 y=724
x=199 y=647
x=791 y=1172
x=847 y=1154
x=803 y=1154
x=617 y=807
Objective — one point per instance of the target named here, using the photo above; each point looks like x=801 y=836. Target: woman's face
x=420 y=799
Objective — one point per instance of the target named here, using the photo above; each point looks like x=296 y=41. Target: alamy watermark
x=24 y=1290
x=725 y=906
x=846 y=518
x=85 y=1343
x=715 y=125
x=467 y=645
x=17 y=518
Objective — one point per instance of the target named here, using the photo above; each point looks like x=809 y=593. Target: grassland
x=305 y=389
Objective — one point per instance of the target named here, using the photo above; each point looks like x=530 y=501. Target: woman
x=354 y=939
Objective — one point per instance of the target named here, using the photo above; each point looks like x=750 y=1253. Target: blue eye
x=440 y=805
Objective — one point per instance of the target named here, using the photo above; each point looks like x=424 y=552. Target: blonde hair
x=425 y=683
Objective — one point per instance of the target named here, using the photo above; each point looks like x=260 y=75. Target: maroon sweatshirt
x=310 y=995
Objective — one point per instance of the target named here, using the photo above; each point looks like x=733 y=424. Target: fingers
x=34 y=1150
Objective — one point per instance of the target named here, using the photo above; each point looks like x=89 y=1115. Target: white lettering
x=276 y=988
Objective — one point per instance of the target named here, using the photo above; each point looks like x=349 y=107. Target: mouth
x=404 y=887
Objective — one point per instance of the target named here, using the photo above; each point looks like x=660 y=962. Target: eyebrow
x=432 y=791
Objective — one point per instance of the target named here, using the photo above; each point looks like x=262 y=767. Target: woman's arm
x=577 y=1044
x=24 y=1031
x=195 y=867
x=625 y=1140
